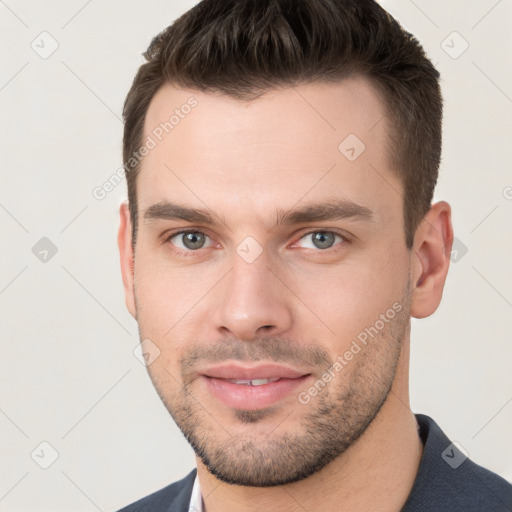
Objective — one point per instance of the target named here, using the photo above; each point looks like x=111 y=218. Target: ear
x=431 y=259
x=124 y=241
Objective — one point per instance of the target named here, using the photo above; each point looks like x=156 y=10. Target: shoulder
x=174 y=497
x=448 y=480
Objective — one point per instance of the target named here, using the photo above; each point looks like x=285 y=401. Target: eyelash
x=167 y=239
x=344 y=240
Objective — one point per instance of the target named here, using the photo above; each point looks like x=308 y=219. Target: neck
x=380 y=467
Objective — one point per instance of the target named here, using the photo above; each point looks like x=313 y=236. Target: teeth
x=253 y=382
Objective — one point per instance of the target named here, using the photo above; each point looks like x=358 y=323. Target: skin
x=247 y=164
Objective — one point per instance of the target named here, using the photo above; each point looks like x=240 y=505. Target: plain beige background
x=69 y=376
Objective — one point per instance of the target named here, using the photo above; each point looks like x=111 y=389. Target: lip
x=262 y=371
x=247 y=397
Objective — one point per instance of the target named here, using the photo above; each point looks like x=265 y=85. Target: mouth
x=252 y=388
x=253 y=382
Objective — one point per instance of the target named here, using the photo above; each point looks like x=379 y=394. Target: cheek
x=154 y=292
x=169 y=297
x=159 y=284
x=352 y=296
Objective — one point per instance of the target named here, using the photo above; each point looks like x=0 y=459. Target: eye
x=320 y=240
x=190 y=240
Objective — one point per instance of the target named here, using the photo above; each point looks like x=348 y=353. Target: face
x=271 y=275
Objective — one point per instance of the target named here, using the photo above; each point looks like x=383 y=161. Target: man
x=281 y=158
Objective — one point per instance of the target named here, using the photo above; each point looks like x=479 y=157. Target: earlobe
x=124 y=241
x=431 y=252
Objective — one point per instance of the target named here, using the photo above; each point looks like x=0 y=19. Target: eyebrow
x=171 y=211
x=328 y=211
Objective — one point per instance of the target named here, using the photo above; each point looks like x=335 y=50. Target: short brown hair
x=243 y=48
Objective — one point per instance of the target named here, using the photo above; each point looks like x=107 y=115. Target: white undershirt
x=196 y=500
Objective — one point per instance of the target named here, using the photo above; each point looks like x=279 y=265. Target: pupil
x=193 y=240
x=323 y=240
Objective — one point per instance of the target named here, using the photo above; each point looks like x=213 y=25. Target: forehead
x=289 y=145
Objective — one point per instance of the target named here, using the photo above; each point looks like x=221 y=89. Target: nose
x=252 y=302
